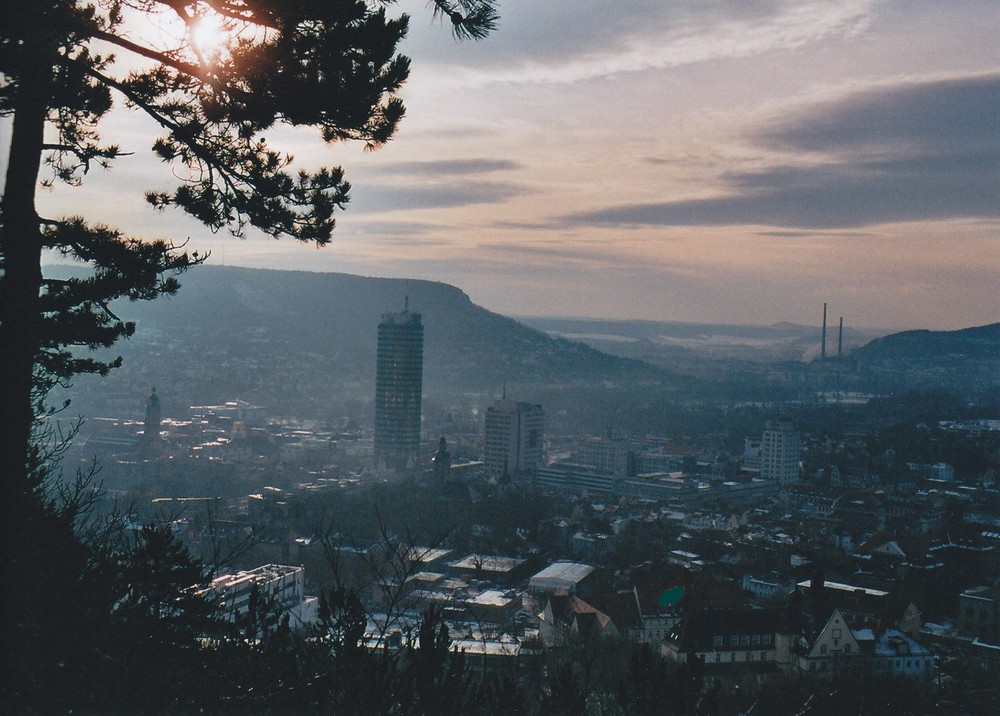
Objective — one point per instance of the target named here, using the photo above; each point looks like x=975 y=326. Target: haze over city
x=692 y=161
x=652 y=365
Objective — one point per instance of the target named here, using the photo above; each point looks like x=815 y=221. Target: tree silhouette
x=328 y=64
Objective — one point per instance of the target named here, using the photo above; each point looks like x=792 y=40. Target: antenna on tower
x=822 y=349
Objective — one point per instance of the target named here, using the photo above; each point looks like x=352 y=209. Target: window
x=717 y=641
x=755 y=639
x=836 y=633
x=734 y=640
x=766 y=639
x=744 y=640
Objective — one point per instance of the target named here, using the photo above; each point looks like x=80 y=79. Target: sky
x=725 y=161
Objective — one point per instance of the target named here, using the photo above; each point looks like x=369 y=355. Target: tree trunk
x=20 y=250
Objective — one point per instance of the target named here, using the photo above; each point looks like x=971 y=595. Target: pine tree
x=328 y=64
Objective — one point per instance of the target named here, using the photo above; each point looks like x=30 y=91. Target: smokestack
x=822 y=348
x=840 y=339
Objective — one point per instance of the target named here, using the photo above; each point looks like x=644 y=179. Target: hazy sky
x=696 y=160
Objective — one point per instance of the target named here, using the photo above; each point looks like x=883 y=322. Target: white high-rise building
x=512 y=438
x=780 y=451
x=609 y=453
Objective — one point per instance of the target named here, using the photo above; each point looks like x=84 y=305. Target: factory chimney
x=822 y=348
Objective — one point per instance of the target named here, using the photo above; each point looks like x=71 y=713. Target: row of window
x=748 y=657
x=743 y=640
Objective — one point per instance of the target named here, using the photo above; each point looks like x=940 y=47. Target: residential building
x=283 y=585
x=566 y=617
x=898 y=655
x=833 y=650
x=743 y=643
x=979 y=612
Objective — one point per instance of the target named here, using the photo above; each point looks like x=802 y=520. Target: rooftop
x=564 y=571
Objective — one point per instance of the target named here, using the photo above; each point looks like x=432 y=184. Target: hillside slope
x=293 y=340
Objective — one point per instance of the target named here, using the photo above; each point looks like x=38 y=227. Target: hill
x=295 y=340
x=980 y=342
x=965 y=362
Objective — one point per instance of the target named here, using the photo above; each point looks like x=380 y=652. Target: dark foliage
x=91 y=623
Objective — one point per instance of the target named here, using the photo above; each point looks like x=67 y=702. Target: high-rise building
x=780 y=453
x=398 y=390
x=608 y=453
x=512 y=438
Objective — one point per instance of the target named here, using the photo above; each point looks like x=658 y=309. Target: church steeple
x=151 y=425
x=442 y=462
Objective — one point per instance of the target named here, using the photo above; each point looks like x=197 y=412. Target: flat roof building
x=560 y=575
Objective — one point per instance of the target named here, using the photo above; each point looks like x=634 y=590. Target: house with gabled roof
x=832 y=650
x=566 y=617
x=734 y=643
x=899 y=655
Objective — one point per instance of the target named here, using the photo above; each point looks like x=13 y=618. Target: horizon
x=883 y=330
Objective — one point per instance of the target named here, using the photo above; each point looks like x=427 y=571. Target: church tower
x=151 y=425
x=442 y=463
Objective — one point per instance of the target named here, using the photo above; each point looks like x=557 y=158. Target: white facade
x=512 y=438
x=608 y=454
x=779 y=453
x=281 y=583
x=834 y=648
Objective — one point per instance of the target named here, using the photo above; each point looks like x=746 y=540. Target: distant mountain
x=980 y=342
x=964 y=362
x=671 y=343
x=293 y=340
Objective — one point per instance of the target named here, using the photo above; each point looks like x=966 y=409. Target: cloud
x=407 y=229
x=956 y=115
x=444 y=167
x=561 y=41
x=372 y=198
x=908 y=152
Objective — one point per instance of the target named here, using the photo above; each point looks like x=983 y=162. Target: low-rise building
x=571 y=576
x=281 y=585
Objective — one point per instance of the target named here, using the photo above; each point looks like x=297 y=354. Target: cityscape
x=466 y=357
x=830 y=544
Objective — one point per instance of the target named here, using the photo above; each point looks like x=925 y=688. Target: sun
x=208 y=34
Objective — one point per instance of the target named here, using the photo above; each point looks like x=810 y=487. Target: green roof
x=670 y=597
